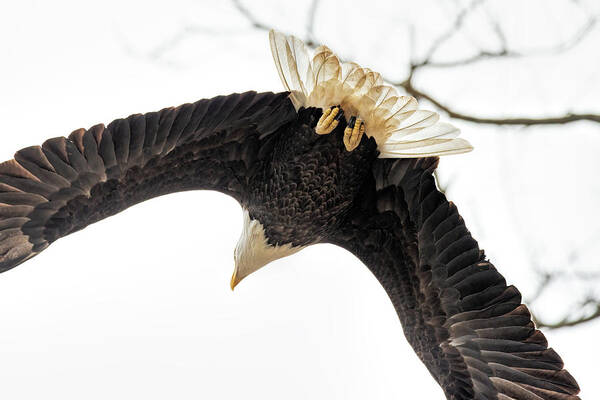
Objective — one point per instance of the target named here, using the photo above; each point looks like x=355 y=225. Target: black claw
x=339 y=115
x=352 y=122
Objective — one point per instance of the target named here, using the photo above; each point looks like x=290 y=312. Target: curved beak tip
x=233 y=283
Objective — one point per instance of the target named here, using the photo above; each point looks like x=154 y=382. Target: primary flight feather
x=341 y=158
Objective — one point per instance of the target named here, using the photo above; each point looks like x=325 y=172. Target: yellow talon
x=353 y=133
x=329 y=120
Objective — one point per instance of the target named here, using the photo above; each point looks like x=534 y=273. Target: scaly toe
x=353 y=133
x=329 y=120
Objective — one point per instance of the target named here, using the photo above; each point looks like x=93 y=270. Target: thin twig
x=246 y=13
x=544 y=283
x=456 y=26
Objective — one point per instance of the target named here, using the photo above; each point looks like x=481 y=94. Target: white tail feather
x=399 y=128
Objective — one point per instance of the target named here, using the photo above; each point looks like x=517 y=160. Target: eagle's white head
x=253 y=250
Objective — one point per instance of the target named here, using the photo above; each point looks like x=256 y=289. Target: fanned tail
x=400 y=129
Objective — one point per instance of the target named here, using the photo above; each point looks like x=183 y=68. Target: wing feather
x=464 y=322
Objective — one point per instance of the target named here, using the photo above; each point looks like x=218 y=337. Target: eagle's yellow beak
x=234 y=280
x=253 y=251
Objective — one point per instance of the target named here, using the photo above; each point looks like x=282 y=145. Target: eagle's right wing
x=464 y=322
x=52 y=190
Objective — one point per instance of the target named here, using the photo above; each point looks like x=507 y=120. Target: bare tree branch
x=569 y=320
x=504 y=52
x=563 y=119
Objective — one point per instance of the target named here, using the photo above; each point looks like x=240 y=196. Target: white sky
x=139 y=306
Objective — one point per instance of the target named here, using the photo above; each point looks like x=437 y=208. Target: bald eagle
x=339 y=157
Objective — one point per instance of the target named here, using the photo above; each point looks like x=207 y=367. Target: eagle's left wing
x=467 y=326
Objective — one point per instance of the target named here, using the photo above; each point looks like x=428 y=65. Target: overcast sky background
x=139 y=305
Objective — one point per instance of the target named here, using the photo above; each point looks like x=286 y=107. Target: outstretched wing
x=463 y=321
x=49 y=191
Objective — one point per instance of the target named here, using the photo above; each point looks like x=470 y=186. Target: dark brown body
x=303 y=191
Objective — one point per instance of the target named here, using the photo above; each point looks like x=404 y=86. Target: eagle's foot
x=353 y=133
x=329 y=120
